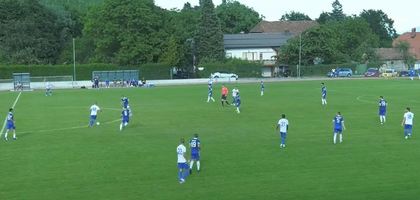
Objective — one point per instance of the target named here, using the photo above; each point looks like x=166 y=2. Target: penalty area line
x=13 y=106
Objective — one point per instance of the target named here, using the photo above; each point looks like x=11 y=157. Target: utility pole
x=74 y=61
x=300 y=53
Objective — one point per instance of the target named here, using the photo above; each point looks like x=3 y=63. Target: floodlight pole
x=300 y=53
x=74 y=61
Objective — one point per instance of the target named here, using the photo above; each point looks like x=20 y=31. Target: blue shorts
x=238 y=103
x=408 y=128
x=125 y=120
x=183 y=166
x=93 y=117
x=324 y=96
x=195 y=155
x=10 y=125
x=382 y=112
x=338 y=130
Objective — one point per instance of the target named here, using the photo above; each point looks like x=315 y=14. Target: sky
x=405 y=13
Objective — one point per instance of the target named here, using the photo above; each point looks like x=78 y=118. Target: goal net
x=21 y=82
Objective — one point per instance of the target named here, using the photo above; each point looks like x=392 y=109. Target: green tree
x=382 y=25
x=172 y=53
x=127 y=32
x=30 y=33
x=209 y=34
x=336 y=14
x=235 y=17
x=404 y=48
x=334 y=42
x=295 y=16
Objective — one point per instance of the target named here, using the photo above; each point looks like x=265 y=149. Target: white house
x=263 y=43
x=261 y=47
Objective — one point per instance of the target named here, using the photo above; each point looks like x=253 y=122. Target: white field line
x=359 y=98
x=13 y=106
x=68 y=128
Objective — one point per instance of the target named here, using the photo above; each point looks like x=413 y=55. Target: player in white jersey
x=94 y=109
x=262 y=88
x=323 y=94
x=183 y=167
x=48 y=89
x=407 y=122
x=283 y=125
x=235 y=92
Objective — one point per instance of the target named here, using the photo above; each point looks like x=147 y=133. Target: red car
x=372 y=72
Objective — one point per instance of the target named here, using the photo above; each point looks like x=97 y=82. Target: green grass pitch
x=57 y=156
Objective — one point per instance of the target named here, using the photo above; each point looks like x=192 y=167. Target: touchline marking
x=13 y=106
x=68 y=128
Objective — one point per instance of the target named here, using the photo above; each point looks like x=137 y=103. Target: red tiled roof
x=413 y=39
x=294 y=27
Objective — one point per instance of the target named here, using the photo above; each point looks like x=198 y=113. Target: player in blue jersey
x=238 y=102
x=382 y=109
x=195 y=146
x=94 y=109
x=210 y=92
x=323 y=94
x=125 y=104
x=10 y=125
x=338 y=123
x=262 y=88
x=182 y=162
x=125 y=118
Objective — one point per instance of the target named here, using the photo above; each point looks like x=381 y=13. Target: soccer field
x=57 y=156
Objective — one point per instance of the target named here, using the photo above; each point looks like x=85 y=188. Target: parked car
x=224 y=75
x=372 y=72
x=404 y=74
x=340 y=72
x=389 y=73
x=181 y=74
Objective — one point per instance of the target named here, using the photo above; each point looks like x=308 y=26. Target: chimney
x=413 y=32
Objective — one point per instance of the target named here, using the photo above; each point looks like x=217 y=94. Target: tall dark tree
x=235 y=17
x=209 y=39
x=29 y=33
x=336 y=14
x=381 y=25
x=295 y=16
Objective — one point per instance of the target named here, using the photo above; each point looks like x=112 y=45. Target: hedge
x=84 y=71
x=320 y=70
x=147 y=71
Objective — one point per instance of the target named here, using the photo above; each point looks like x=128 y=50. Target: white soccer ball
x=97 y=123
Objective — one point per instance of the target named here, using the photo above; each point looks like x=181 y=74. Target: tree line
x=127 y=32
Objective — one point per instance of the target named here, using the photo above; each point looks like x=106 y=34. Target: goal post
x=22 y=82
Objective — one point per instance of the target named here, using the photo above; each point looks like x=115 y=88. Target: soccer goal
x=117 y=78
x=22 y=82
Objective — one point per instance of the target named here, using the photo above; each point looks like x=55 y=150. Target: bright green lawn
x=58 y=157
